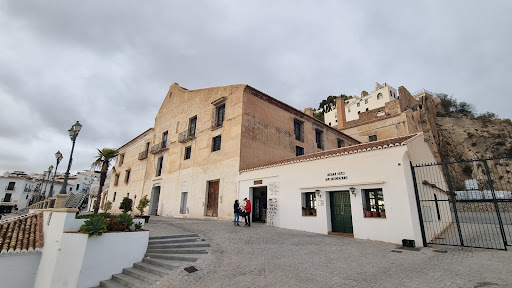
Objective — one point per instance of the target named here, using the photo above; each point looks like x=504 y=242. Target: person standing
x=247 y=212
x=236 y=207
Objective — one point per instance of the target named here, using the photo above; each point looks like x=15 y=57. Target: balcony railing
x=143 y=155
x=186 y=136
x=159 y=147
x=7 y=188
x=27 y=189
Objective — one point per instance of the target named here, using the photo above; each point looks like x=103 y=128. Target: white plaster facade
x=378 y=98
x=387 y=169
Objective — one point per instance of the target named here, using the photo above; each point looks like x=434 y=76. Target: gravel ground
x=263 y=256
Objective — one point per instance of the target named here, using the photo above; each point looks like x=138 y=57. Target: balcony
x=27 y=189
x=143 y=155
x=10 y=188
x=186 y=136
x=162 y=146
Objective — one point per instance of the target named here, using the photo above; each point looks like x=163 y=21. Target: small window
x=309 y=204
x=147 y=149
x=127 y=176
x=192 y=126
x=373 y=201
x=299 y=151
x=319 y=137
x=219 y=115
x=114 y=198
x=159 y=166
x=183 y=206
x=77 y=186
x=216 y=143
x=164 y=139
x=358 y=104
x=358 y=112
x=116 y=179
x=341 y=143
x=188 y=151
x=298 y=129
x=373 y=138
x=127 y=195
x=379 y=96
x=366 y=109
x=330 y=124
x=121 y=159
x=11 y=185
x=365 y=101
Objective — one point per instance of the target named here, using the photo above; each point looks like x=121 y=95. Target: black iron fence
x=466 y=203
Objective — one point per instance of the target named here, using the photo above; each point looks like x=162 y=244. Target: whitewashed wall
x=388 y=169
x=74 y=260
x=19 y=269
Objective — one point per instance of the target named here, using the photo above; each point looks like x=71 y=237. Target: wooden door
x=7 y=197
x=341 y=212
x=212 y=206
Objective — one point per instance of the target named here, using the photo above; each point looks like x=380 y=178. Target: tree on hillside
x=103 y=160
x=466 y=109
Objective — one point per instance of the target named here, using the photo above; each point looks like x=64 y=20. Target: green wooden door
x=341 y=212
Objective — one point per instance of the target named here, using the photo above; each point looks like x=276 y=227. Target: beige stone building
x=188 y=162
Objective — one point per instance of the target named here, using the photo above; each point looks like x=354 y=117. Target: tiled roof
x=22 y=234
x=364 y=147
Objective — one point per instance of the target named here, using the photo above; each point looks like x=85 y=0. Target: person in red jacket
x=247 y=212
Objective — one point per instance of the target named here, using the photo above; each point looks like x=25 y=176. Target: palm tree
x=102 y=160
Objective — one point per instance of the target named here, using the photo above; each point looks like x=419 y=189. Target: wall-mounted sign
x=336 y=176
x=258 y=182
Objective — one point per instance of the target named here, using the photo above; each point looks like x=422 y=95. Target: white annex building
x=366 y=190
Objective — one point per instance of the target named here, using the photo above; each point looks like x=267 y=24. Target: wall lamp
x=318 y=193
x=352 y=190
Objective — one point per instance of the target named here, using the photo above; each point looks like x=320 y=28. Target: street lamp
x=46 y=183
x=58 y=155
x=73 y=133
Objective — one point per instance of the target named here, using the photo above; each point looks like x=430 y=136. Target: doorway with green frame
x=341 y=212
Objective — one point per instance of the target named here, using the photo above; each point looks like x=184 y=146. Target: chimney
x=364 y=93
x=340 y=113
x=309 y=111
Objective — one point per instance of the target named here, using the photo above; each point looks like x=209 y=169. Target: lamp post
x=46 y=183
x=73 y=133
x=58 y=155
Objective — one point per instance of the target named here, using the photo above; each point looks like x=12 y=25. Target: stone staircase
x=163 y=255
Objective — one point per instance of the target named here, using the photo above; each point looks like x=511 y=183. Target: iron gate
x=466 y=203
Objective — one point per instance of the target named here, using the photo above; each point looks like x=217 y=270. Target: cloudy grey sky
x=109 y=64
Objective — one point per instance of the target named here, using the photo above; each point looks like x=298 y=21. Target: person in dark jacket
x=236 y=207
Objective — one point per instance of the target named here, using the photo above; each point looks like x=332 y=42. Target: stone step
x=154 y=269
x=177 y=251
x=171 y=241
x=111 y=284
x=142 y=275
x=178 y=246
x=130 y=281
x=173 y=236
x=170 y=257
x=167 y=264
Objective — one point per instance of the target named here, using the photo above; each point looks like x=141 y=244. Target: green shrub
x=89 y=216
x=95 y=226
x=143 y=203
x=138 y=226
x=126 y=205
x=107 y=206
x=467 y=170
x=126 y=220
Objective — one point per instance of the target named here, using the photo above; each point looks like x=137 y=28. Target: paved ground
x=263 y=256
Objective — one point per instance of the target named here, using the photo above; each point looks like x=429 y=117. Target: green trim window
x=373 y=203
x=309 y=204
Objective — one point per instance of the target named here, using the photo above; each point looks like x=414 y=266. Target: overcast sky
x=109 y=64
